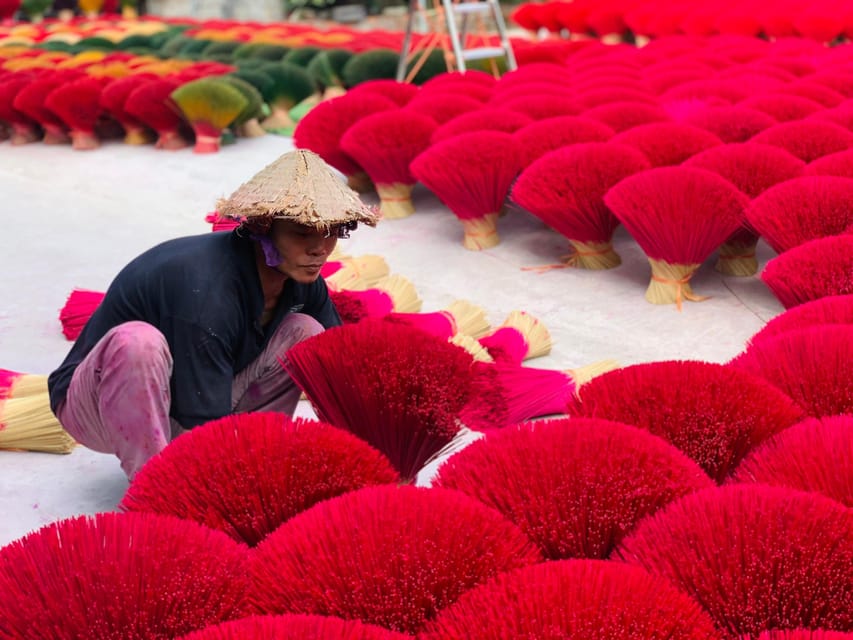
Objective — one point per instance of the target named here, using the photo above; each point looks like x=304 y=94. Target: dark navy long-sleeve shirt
x=204 y=295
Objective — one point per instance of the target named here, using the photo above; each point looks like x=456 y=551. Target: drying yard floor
x=73 y=219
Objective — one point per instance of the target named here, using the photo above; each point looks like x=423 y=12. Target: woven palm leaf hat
x=299 y=187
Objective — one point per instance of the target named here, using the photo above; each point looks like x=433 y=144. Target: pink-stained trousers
x=118 y=401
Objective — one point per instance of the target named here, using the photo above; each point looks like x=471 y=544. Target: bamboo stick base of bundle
x=402 y=292
x=252 y=129
x=360 y=182
x=395 y=200
x=278 y=119
x=469 y=319
x=670 y=283
x=333 y=92
x=472 y=346
x=22 y=136
x=481 y=233
x=138 y=137
x=592 y=255
x=27 y=423
x=359 y=273
x=582 y=375
x=737 y=260
x=84 y=141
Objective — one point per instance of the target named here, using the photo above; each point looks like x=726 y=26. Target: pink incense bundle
x=540 y=109
x=731 y=124
x=594 y=97
x=442 y=107
x=805 y=634
x=276 y=467
x=812 y=270
x=811 y=365
x=113 y=98
x=471 y=174
x=539 y=72
x=542 y=136
x=392 y=293
x=826 y=310
x=668 y=143
x=294 y=627
x=24 y=128
x=150 y=103
x=728 y=90
x=105 y=576
x=782 y=107
x=814 y=91
x=546 y=90
x=505 y=393
x=320 y=131
x=807 y=139
x=574 y=486
x=30 y=100
x=565 y=189
x=841 y=115
x=460 y=317
x=835 y=164
x=469 y=76
x=679 y=216
x=78 y=105
x=814 y=455
x=475 y=90
x=621 y=116
x=384 y=145
x=756 y=557
x=486 y=119
x=520 y=337
x=221 y=223
x=577 y=599
x=714 y=413
x=752 y=168
x=390 y=556
x=400 y=93
x=78 y=308
x=793 y=212
x=396 y=387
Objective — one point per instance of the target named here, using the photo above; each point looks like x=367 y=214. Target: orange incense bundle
x=807 y=139
x=150 y=104
x=753 y=169
x=667 y=143
x=113 y=98
x=26 y=420
x=542 y=136
x=520 y=337
x=812 y=270
x=471 y=174
x=486 y=119
x=78 y=105
x=565 y=189
x=321 y=129
x=801 y=209
x=679 y=216
x=384 y=144
x=77 y=310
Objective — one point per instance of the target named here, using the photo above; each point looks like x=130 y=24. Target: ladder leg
x=407 y=41
x=505 y=43
x=450 y=17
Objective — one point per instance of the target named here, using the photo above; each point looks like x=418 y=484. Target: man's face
x=304 y=250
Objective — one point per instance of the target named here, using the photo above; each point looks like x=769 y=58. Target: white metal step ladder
x=456 y=22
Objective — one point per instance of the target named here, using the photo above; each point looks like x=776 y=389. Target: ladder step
x=475 y=6
x=483 y=53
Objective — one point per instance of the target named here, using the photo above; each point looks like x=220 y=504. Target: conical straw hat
x=300 y=187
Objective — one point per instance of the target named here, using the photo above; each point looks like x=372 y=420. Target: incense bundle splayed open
x=520 y=337
x=322 y=128
x=814 y=455
x=679 y=216
x=834 y=164
x=811 y=271
x=714 y=413
x=30 y=100
x=384 y=144
x=667 y=143
x=103 y=576
x=459 y=317
x=24 y=128
x=471 y=174
x=485 y=119
x=385 y=556
x=565 y=189
x=826 y=310
x=392 y=293
x=756 y=557
x=782 y=107
x=731 y=124
x=442 y=107
x=78 y=308
x=574 y=486
x=295 y=627
x=209 y=105
x=807 y=139
x=505 y=393
x=396 y=387
x=26 y=421
x=582 y=599
x=400 y=93
x=276 y=467
x=811 y=365
x=113 y=98
x=78 y=105
x=804 y=634
x=753 y=169
x=150 y=104
x=621 y=116
x=542 y=136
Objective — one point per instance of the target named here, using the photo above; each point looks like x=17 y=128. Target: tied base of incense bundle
x=737 y=259
x=26 y=421
x=592 y=255
x=470 y=319
x=395 y=200
x=480 y=233
x=520 y=337
x=362 y=272
x=670 y=283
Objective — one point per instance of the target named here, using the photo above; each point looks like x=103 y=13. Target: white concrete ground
x=73 y=219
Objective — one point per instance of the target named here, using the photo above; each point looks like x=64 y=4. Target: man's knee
x=137 y=341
